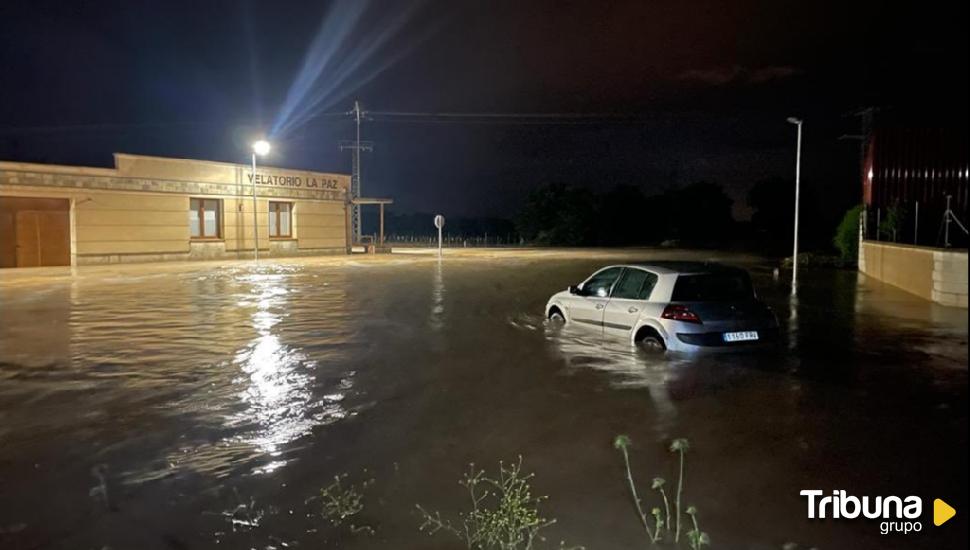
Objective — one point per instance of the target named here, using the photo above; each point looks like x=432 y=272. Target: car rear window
x=713 y=287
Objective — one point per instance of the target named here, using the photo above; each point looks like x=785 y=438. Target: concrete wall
x=935 y=274
x=950 y=278
x=139 y=211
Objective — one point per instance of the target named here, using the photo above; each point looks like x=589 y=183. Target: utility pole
x=798 y=174
x=356 y=147
x=866 y=116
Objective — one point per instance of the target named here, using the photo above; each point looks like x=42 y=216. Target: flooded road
x=203 y=405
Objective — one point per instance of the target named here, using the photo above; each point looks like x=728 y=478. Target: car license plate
x=746 y=336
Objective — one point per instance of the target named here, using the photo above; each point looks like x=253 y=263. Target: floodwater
x=205 y=405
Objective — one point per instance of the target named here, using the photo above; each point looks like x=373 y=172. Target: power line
x=498 y=115
x=503 y=118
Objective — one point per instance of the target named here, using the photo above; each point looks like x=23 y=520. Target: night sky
x=699 y=91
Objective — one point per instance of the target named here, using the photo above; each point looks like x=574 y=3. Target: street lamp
x=261 y=148
x=798 y=170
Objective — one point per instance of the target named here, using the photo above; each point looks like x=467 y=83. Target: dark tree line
x=697 y=215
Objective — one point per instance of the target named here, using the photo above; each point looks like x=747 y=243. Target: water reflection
x=437 y=297
x=250 y=358
x=627 y=366
x=278 y=393
x=792 y=322
x=275 y=377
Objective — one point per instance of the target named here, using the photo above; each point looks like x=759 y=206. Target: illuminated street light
x=798 y=169
x=261 y=148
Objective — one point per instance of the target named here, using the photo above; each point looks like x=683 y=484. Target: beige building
x=153 y=209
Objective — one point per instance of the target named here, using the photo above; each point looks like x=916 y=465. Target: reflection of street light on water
x=261 y=148
x=793 y=322
x=438 y=298
x=793 y=302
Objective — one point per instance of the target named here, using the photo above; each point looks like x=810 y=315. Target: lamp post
x=798 y=170
x=260 y=148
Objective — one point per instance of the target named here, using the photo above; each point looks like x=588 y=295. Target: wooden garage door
x=35 y=232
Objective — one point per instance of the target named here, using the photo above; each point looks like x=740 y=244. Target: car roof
x=682 y=267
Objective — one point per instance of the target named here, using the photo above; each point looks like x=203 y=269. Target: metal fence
x=454 y=241
x=933 y=224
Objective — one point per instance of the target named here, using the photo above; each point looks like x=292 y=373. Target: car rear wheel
x=652 y=343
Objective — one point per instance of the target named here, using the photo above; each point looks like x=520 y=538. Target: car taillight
x=680 y=313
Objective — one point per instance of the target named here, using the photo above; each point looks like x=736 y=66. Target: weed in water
x=679 y=446
x=666 y=525
x=341 y=503
x=658 y=485
x=658 y=526
x=621 y=443
x=504 y=513
x=695 y=537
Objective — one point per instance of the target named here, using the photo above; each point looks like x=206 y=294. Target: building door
x=34 y=232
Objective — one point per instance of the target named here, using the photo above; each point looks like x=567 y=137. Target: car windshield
x=713 y=287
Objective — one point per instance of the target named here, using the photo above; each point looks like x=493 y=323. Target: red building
x=909 y=171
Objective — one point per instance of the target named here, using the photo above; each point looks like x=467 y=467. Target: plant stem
x=680 y=488
x=666 y=506
x=695 y=535
x=636 y=498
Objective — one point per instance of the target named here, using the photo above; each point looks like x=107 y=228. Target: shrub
x=847 y=236
x=890 y=226
x=504 y=515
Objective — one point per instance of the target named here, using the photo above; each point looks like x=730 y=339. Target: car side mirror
x=574 y=289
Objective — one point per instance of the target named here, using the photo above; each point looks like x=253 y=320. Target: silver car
x=681 y=306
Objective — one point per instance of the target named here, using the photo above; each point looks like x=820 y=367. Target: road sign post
x=439 y=222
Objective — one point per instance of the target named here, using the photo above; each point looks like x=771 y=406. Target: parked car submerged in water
x=681 y=306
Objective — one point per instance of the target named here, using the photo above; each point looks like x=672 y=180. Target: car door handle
x=633 y=309
x=600 y=306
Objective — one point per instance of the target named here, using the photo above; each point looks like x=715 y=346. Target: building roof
x=177 y=169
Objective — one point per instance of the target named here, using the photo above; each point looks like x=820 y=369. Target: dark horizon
x=706 y=89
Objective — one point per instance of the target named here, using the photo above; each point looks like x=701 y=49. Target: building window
x=280 y=219
x=204 y=218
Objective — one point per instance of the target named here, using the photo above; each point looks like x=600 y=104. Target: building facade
x=911 y=175
x=156 y=209
x=915 y=191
